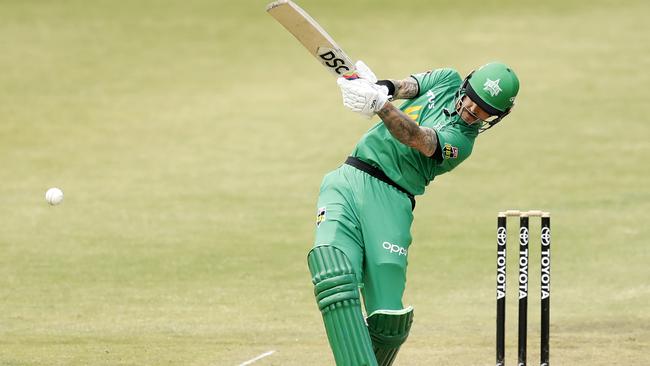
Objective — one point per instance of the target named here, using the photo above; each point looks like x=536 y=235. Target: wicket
x=545 y=279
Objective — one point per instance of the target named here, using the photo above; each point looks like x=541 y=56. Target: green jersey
x=406 y=166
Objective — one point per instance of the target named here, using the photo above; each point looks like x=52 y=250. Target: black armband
x=437 y=154
x=389 y=84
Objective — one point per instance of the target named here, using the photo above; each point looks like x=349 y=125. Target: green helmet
x=493 y=87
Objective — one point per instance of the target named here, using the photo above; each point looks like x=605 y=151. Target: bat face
x=315 y=39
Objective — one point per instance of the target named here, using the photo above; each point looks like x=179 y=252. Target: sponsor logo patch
x=450 y=152
x=333 y=59
x=393 y=248
x=413 y=112
x=321 y=215
x=501 y=236
x=432 y=99
x=546 y=236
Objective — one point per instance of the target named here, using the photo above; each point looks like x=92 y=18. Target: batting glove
x=363 y=96
x=364 y=71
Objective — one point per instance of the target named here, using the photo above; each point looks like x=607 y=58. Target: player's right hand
x=363 y=96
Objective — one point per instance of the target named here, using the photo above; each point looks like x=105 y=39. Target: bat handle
x=351 y=75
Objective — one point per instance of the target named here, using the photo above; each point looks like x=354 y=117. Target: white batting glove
x=362 y=96
x=364 y=71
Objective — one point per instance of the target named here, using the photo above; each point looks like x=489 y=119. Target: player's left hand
x=363 y=96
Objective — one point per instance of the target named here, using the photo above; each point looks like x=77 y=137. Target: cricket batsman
x=365 y=207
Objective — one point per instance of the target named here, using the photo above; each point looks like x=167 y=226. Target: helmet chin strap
x=487 y=125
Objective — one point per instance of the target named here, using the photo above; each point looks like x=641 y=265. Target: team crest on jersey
x=492 y=87
x=450 y=152
x=320 y=217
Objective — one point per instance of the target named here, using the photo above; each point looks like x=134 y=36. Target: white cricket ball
x=54 y=196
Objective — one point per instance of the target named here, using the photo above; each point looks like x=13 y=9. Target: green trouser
x=362 y=239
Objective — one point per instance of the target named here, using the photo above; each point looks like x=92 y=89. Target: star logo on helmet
x=492 y=87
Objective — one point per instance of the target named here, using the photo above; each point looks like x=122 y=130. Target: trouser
x=362 y=240
x=369 y=221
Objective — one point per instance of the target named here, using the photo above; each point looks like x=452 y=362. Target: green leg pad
x=388 y=331
x=337 y=295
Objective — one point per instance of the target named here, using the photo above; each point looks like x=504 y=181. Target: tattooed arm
x=407 y=131
x=406 y=88
x=402 y=89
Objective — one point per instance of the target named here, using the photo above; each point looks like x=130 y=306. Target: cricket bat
x=315 y=39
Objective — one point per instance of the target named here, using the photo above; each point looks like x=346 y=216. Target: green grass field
x=190 y=138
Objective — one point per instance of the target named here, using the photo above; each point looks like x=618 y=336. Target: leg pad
x=337 y=295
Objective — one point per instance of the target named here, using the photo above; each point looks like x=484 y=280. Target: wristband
x=389 y=84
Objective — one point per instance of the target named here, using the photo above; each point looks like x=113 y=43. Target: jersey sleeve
x=435 y=78
x=453 y=148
